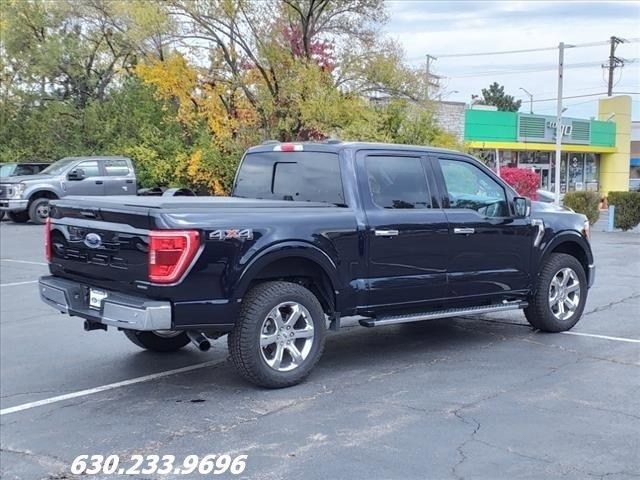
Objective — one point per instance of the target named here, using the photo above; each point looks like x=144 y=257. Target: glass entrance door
x=545 y=178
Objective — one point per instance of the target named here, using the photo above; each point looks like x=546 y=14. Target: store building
x=595 y=153
x=634 y=166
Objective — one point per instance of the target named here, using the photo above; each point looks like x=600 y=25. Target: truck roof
x=336 y=146
x=98 y=157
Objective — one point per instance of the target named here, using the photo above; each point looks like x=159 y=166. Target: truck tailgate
x=105 y=245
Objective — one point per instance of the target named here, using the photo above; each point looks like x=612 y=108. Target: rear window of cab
x=294 y=176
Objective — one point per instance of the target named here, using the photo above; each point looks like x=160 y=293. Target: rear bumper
x=7 y=205
x=117 y=309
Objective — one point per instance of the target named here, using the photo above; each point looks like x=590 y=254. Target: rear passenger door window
x=116 y=168
x=397 y=182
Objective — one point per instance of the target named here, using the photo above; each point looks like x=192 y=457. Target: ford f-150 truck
x=312 y=233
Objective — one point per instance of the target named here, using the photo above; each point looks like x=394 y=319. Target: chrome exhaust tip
x=199 y=340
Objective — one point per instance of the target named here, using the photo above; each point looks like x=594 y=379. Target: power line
x=528 y=69
x=555 y=99
x=529 y=50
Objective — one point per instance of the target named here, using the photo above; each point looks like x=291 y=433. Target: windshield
x=58 y=167
x=295 y=176
x=7 y=169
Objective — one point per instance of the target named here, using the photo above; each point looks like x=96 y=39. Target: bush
x=524 y=181
x=587 y=203
x=627 y=215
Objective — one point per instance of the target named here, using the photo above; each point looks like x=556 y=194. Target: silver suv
x=27 y=197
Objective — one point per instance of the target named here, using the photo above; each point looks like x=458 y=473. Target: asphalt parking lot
x=477 y=397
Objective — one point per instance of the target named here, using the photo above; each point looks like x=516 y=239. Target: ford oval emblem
x=93 y=240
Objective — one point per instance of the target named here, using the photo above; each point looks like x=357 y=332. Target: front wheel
x=159 y=341
x=39 y=210
x=279 y=336
x=561 y=293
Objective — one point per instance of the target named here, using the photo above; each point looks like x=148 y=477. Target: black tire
x=1 y=215
x=244 y=340
x=19 y=217
x=157 y=343
x=539 y=313
x=39 y=210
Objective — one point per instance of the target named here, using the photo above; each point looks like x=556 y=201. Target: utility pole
x=430 y=58
x=614 y=62
x=559 y=122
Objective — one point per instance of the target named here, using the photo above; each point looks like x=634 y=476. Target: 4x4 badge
x=244 y=234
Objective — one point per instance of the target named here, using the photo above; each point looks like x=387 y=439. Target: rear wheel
x=561 y=293
x=279 y=336
x=19 y=217
x=39 y=210
x=158 y=341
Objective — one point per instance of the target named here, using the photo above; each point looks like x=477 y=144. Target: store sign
x=566 y=129
x=542 y=128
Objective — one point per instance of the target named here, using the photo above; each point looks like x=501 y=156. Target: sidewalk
x=602 y=224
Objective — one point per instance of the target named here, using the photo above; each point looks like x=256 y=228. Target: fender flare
x=566 y=237
x=297 y=249
x=39 y=190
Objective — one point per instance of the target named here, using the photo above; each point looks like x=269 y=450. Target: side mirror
x=76 y=174
x=522 y=207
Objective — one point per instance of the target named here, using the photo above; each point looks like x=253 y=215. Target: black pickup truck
x=311 y=233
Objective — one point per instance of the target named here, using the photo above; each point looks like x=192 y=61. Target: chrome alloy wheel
x=564 y=294
x=286 y=336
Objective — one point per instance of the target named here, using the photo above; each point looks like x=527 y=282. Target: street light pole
x=559 y=122
x=530 y=99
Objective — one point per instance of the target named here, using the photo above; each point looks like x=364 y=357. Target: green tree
x=494 y=95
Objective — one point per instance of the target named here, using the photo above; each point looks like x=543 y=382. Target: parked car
x=27 y=197
x=545 y=196
x=19 y=169
x=312 y=233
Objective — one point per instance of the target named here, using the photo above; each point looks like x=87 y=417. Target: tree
x=494 y=95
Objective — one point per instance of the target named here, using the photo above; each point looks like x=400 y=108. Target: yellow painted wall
x=614 y=167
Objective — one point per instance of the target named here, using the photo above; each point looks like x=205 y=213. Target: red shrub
x=524 y=181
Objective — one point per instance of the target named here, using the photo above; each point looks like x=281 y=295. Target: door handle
x=386 y=233
x=464 y=231
x=129 y=181
x=99 y=182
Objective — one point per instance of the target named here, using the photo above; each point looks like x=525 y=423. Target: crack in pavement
x=47 y=461
x=607 y=306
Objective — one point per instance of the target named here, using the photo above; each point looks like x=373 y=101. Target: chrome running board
x=451 y=312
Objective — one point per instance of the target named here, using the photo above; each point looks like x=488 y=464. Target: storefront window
x=591 y=166
x=533 y=157
x=576 y=171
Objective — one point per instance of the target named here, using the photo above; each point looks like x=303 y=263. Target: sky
x=456 y=27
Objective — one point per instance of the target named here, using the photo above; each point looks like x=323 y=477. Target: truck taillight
x=47 y=239
x=170 y=254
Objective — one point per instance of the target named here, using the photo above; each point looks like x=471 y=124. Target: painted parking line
x=23 y=261
x=604 y=337
x=110 y=386
x=17 y=283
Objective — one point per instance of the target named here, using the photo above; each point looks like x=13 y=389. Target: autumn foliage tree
x=218 y=75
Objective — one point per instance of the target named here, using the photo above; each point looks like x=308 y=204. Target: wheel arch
x=571 y=244
x=296 y=262
x=43 y=193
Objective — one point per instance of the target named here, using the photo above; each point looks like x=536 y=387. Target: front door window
x=469 y=187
